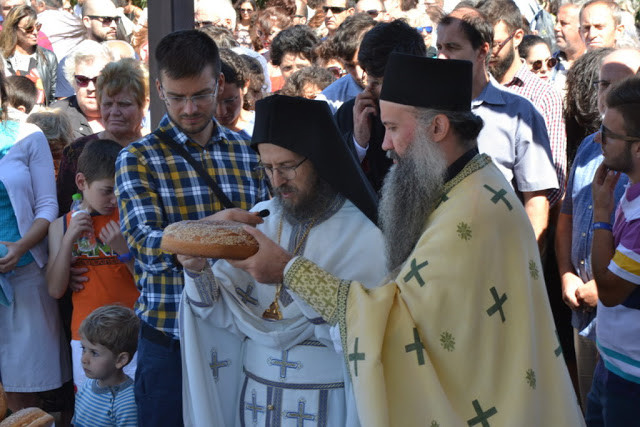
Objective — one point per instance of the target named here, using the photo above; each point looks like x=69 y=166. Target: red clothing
x=110 y=281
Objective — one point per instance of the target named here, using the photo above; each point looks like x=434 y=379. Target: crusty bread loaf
x=3 y=403
x=209 y=239
x=28 y=417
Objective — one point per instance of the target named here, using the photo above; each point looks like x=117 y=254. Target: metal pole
x=165 y=16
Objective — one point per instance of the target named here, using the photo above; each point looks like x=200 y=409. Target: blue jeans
x=158 y=386
x=612 y=401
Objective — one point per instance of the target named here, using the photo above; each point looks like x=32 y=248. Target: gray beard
x=319 y=200
x=410 y=192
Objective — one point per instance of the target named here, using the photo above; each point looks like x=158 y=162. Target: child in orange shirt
x=109 y=264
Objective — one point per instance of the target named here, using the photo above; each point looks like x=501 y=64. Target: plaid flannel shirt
x=549 y=102
x=156 y=187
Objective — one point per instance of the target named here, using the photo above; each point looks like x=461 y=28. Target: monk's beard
x=316 y=200
x=410 y=192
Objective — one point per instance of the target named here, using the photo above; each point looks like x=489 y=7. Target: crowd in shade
x=440 y=193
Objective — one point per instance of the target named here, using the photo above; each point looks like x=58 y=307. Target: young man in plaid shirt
x=156 y=186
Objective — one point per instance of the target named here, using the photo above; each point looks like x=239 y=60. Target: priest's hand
x=237 y=214
x=267 y=265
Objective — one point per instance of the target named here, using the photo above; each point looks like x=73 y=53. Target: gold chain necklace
x=273 y=312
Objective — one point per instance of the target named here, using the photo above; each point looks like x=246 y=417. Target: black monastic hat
x=439 y=84
x=308 y=128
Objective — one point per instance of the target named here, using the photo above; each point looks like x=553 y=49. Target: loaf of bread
x=209 y=239
x=28 y=417
x=3 y=403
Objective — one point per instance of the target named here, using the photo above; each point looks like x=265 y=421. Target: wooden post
x=165 y=16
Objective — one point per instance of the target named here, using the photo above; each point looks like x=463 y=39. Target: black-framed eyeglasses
x=334 y=9
x=537 y=65
x=605 y=133
x=200 y=101
x=601 y=84
x=105 y=20
x=502 y=44
x=83 y=81
x=31 y=28
x=428 y=29
x=286 y=172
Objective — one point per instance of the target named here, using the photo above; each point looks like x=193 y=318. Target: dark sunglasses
x=105 y=20
x=428 y=29
x=334 y=9
x=246 y=10
x=83 y=81
x=30 y=29
x=551 y=62
x=605 y=133
x=374 y=12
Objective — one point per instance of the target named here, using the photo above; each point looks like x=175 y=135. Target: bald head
x=616 y=66
x=99 y=8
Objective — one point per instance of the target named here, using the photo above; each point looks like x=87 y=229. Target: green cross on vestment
x=246 y=295
x=481 y=416
x=215 y=364
x=498 y=305
x=498 y=195
x=415 y=272
x=355 y=356
x=254 y=407
x=417 y=346
x=558 y=351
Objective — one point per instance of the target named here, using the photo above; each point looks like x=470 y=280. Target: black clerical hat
x=307 y=127
x=439 y=84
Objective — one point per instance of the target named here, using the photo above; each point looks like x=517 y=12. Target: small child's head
x=96 y=175
x=109 y=340
x=22 y=93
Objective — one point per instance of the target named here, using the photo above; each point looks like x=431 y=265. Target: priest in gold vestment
x=462 y=333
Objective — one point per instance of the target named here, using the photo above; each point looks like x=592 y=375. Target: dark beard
x=410 y=192
x=502 y=66
x=319 y=199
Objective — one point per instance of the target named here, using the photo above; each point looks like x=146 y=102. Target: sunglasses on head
x=428 y=29
x=334 y=9
x=83 y=81
x=537 y=65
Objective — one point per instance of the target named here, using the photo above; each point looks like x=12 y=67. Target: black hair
x=475 y=26
x=318 y=76
x=21 y=92
x=385 y=38
x=624 y=96
x=233 y=68
x=529 y=41
x=299 y=39
x=186 y=53
x=98 y=160
x=502 y=11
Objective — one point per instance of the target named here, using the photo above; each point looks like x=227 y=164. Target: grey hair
x=54 y=124
x=85 y=51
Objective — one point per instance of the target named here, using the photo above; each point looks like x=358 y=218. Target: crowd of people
x=443 y=193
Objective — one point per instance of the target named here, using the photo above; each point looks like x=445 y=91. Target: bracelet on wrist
x=125 y=257
x=602 y=226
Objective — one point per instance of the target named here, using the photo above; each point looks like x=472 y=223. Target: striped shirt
x=549 y=102
x=618 y=327
x=105 y=406
x=156 y=187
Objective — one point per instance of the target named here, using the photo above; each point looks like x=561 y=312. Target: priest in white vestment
x=245 y=367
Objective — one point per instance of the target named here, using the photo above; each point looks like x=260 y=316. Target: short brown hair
x=128 y=75
x=113 y=326
x=98 y=160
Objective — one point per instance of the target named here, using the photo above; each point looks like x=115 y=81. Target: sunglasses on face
x=537 y=65
x=605 y=133
x=334 y=9
x=83 y=81
x=105 y=20
x=374 y=12
x=428 y=29
x=246 y=10
x=30 y=29
x=337 y=71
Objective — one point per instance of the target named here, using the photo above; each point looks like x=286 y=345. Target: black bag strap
x=197 y=166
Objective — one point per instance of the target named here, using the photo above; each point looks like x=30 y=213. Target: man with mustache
x=323 y=209
x=462 y=334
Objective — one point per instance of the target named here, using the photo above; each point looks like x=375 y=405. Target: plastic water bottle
x=87 y=240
